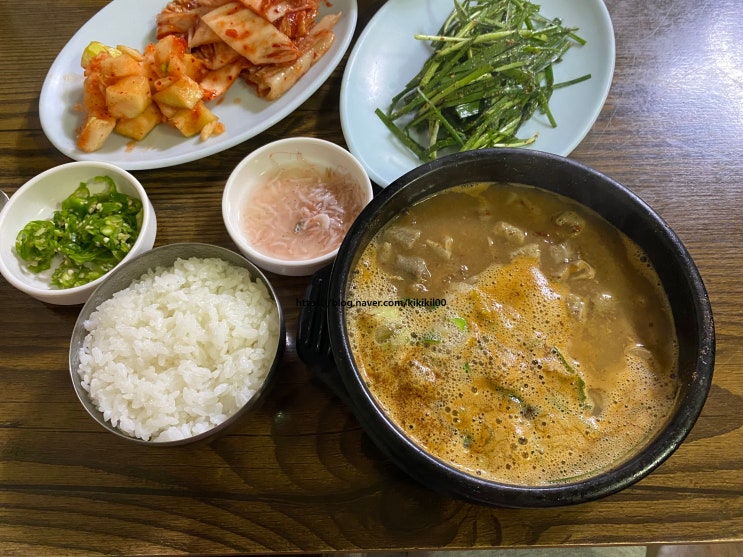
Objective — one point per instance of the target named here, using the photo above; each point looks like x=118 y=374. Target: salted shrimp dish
x=302 y=211
x=202 y=48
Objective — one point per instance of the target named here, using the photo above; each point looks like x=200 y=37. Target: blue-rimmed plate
x=387 y=56
x=132 y=23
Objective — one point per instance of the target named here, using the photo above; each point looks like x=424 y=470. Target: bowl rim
x=420 y=464
x=125 y=273
x=230 y=191
x=148 y=216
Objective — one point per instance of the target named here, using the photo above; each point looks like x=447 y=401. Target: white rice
x=180 y=350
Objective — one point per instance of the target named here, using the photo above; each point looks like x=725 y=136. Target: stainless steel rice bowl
x=168 y=364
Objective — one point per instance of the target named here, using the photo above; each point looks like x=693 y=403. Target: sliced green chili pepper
x=36 y=245
x=89 y=234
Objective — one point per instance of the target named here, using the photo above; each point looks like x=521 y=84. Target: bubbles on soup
x=520 y=375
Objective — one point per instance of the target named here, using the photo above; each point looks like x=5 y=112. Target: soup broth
x=513 y=334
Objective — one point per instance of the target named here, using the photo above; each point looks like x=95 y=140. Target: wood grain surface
x=300 y=475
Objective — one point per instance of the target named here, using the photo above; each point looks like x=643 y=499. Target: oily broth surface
x=547 y=349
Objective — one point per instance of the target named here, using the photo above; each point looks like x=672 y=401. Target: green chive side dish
x=90 y=234
x=490 y=71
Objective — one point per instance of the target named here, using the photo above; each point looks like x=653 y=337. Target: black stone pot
x=322 y=342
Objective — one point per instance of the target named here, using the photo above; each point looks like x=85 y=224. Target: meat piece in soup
x=550 y=352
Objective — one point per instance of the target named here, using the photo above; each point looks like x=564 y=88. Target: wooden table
x=300 y=475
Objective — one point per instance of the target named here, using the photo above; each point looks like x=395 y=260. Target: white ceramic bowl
x=37 y=199
x=257 y=167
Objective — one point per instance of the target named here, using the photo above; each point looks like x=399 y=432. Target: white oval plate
x=132 y=23
x=386 y=56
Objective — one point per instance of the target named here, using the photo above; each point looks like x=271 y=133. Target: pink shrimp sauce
x=301 y=211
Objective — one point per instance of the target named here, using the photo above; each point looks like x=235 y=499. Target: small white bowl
x=37 y=199
x=258 y=166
